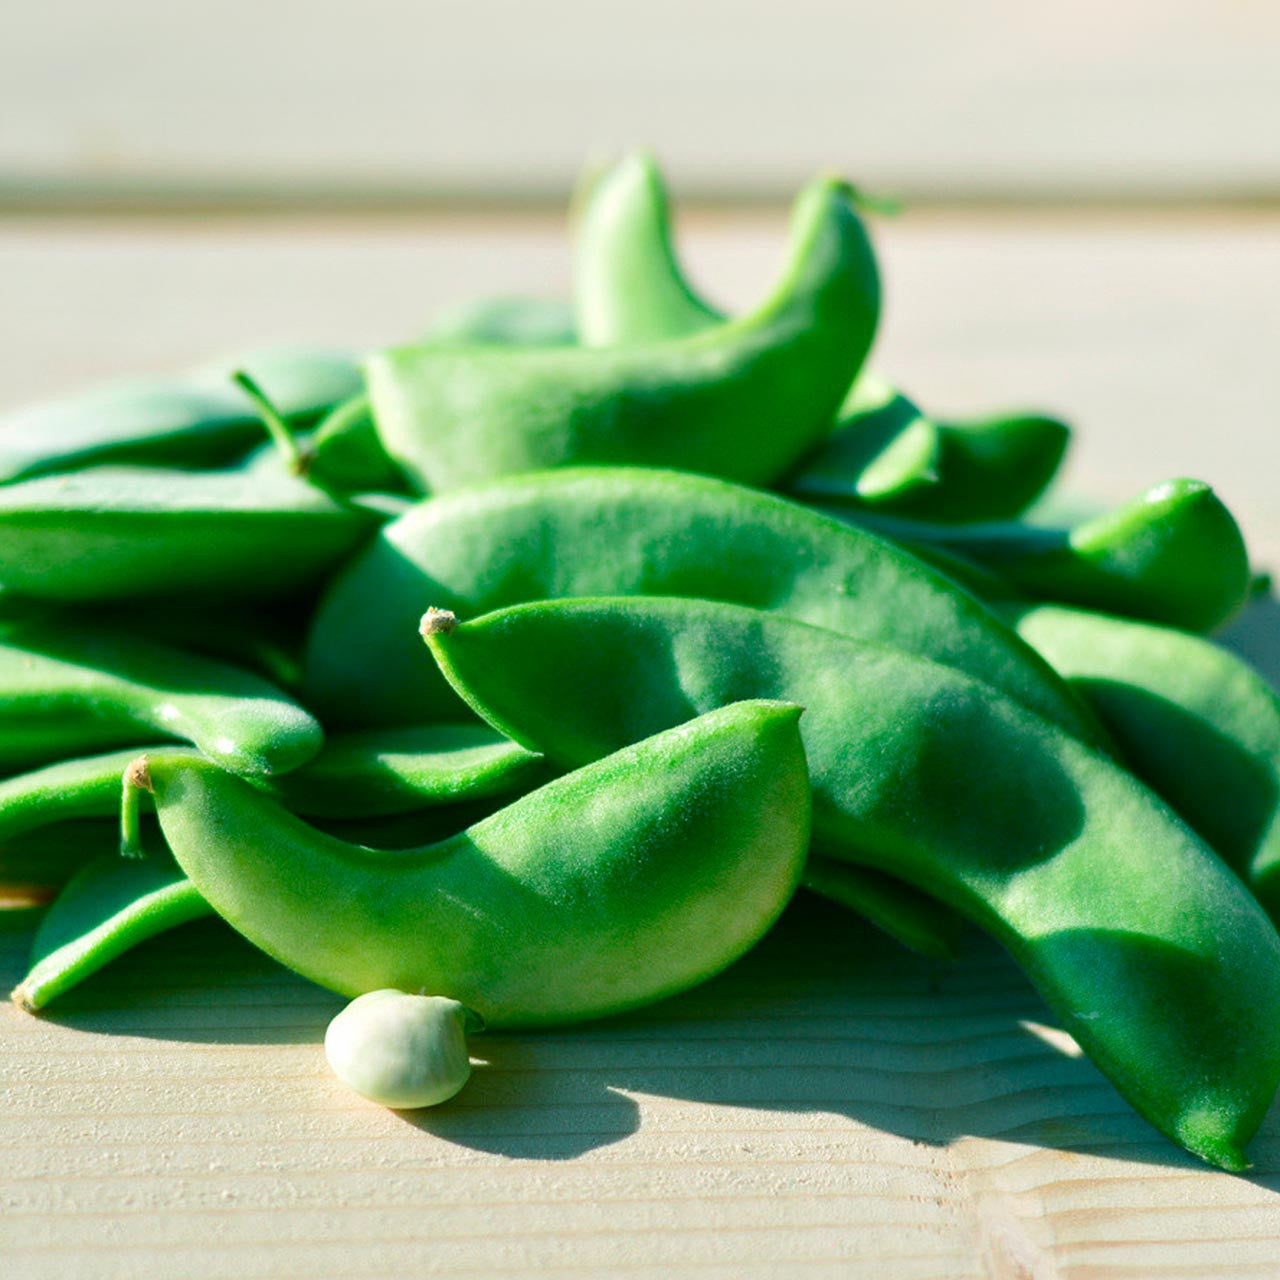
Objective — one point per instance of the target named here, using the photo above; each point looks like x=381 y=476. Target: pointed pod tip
x=437 y=622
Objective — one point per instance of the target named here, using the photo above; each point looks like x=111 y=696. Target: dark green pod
x=1154 y=955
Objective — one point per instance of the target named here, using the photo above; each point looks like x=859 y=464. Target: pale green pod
x=744 y=400
x=400 y=1050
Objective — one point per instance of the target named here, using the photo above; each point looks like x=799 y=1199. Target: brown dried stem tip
x=437 y=622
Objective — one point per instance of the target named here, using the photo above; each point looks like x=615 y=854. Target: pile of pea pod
x=520 y=675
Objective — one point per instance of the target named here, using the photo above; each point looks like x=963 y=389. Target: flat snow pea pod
x=112 y=905
x=618 y=884
x=908 y=916
x=88 y=787
x=1196 y=723
x=631 y=288
x=1173 y=555
x=346 y=451
x=984 y=469
x=393 y=771
x=192 y=420
x=1153 y=954
x=66 y=693
x=131 y=531
x=355 y=775
x=625 y=531
x=744 y=400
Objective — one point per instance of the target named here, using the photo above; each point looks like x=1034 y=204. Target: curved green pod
x=346 y=452
x=990 y=468
x=393 y=771
x=743 y=400
x=1194 y=721
x=622 y=531
x=613 y=886
x=1173 y=555
x=629 y=287
x=355 y=775
x=112 y=905
x=1152 y=953
x=908 y=916
x=71 y=692
x=193 y=420
x=138 y=531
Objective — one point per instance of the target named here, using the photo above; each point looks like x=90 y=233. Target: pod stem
x=137 y=779
x=296 y=457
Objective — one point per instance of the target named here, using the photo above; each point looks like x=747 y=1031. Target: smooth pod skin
x=630 y=287
x=623 y=531
x=136 y=531
x=1196 y=723
x=744 y=400
x=1173 y=555
x=983 y=469
x=355 y=775
x=393 y=771
x=113 y=904
x=1149 y=949
x=618 y=884
x=347 y=453
x=194 y=420
x=68 y=692
x=400 y=1050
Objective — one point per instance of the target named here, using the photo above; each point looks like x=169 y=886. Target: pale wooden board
x=831 y=1107
x=432 y=97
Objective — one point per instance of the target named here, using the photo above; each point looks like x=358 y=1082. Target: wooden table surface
x=831 y=1106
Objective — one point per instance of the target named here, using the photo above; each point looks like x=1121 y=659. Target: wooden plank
x=425 y=98
x=829 y=1107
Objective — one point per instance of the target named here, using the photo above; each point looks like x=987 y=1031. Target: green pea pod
x=1173 y=555
x=618 y=884
x=908 y=916
x=116 y=907
x=113 y=904
x=194 y=420
x=1151 y=952
x=131 y=531
x=66 y=693
x=355 y=775
x=885 y=452
x=744 y=400
x=985 y=469
x=620 y=531
x=395 y=771
x=347 y=453
x=1196 y=723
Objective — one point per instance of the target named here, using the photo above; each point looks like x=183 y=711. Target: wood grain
x=831 y=1106
x=428 y=98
